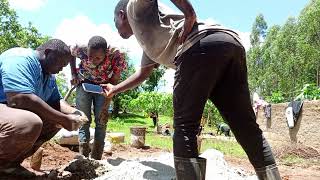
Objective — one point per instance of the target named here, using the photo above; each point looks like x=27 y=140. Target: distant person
x=210 y=63
x=100 y=64
x=31 y=108
x=223 y=128
x=154 y=116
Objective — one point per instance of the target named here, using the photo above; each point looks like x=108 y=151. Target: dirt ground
x=303 y=171
x=55 y=157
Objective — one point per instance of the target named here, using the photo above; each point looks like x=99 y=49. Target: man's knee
x=20 y=131
x=32 y=125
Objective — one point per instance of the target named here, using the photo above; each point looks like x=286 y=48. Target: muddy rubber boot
x=270 y=172
x=190 y=168
x=84 y=149
x=97 y=150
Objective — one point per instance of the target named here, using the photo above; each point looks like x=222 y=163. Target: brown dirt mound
x=301 y=151
x=128 y=152
x=79 y=169
x=54 y=156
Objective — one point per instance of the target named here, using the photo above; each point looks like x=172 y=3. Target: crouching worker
x=31 y=109
x=223 y=128
x=100 y=64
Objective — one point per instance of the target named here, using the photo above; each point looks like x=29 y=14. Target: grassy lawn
x=124 y=123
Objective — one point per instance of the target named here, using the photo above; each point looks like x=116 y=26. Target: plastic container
x=138 y=136
x=116 y=138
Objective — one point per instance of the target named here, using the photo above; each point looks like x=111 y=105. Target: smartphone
x=92 y=88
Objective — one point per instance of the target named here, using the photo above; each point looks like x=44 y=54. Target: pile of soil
x=56 y=160
x=79 y=169
x=301 y=151
x=128 y=152
x=54 y=156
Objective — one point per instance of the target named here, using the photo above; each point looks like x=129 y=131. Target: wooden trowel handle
x=69 y=93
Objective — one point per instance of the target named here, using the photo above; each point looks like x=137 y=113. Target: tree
x=259 y=30
x=147 y=102
x=309 y=25
x=212 y=115
x=288 y=57
x=255 y=61
x=121 y=100
x=13 y=34
x=153 y=81
x=153 y=104
x=63 y=88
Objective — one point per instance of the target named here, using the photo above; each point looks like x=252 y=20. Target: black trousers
x=215 y=69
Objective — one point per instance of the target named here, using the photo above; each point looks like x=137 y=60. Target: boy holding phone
x=100 y=64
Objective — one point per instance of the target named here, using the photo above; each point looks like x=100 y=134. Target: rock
x=66 y=174
x=53 y=174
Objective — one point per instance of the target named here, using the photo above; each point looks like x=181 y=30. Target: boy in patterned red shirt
x=100 y=64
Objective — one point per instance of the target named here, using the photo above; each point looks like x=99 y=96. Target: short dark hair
x=97 y=42
x=55 y=45
x=122 y=5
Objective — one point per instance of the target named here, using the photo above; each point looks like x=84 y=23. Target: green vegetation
x=147 y=102
x=284 y=58
x=124 y=122
x=13 y=34
x=292 y=159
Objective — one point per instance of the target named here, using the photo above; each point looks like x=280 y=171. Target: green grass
x=291 y=160
x=229 y=148
x=124 y=122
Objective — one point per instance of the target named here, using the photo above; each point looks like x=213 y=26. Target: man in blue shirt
x=31 y=109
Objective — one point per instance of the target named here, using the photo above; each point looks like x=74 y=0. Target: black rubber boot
x=270 y=172
x=84 y=149
x=97 y=150
x=190 y=168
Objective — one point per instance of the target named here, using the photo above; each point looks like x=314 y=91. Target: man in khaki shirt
x=210 y=63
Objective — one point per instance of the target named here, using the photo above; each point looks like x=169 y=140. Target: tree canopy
x=13 y=34
x=282 y=59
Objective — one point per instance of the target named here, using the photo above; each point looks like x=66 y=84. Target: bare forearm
x=36 y=105
x=66 y=108
x=134 y=80
x=185 y=6
x=73 y=66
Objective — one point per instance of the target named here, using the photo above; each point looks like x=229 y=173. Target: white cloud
x=28 y=5
x=245 y=38
x=210 y=21
x=80 y=29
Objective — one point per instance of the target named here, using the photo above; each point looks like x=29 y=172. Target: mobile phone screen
x=92 y=88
